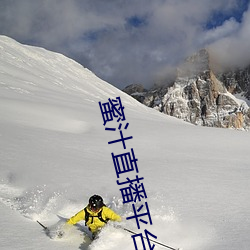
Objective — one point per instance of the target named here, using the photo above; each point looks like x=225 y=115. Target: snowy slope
x=55 y=154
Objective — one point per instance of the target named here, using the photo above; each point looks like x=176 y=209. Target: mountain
x=55 y=154
x=237 y=81
x=202 y=96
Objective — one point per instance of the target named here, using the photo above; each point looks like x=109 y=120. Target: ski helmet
x=95 y=202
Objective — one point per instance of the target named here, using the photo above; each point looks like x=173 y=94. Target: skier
x=95 y=214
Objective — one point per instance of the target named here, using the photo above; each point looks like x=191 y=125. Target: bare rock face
x=137 y=91
x=237 y=81
x=199 y=97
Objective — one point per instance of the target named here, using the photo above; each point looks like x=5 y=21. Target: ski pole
x=45 y=228
x=157 y=242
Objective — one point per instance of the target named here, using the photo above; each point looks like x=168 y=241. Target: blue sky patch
x=136 y=21
x=219 y=17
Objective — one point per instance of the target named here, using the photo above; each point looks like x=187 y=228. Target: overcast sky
x=131 y=41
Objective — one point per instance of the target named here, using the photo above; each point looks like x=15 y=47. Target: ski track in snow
x=32 y=204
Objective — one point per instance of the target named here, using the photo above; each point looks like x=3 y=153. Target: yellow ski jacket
x=94 y=223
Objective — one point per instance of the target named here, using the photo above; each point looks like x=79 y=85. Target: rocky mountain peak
x=196 y=64
x=200 y=96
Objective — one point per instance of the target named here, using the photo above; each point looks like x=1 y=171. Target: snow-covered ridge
x=34 y=66
x=33 y=74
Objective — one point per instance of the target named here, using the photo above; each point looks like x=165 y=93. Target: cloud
x=124 y=42
x=233 y=49
x=228 y=28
